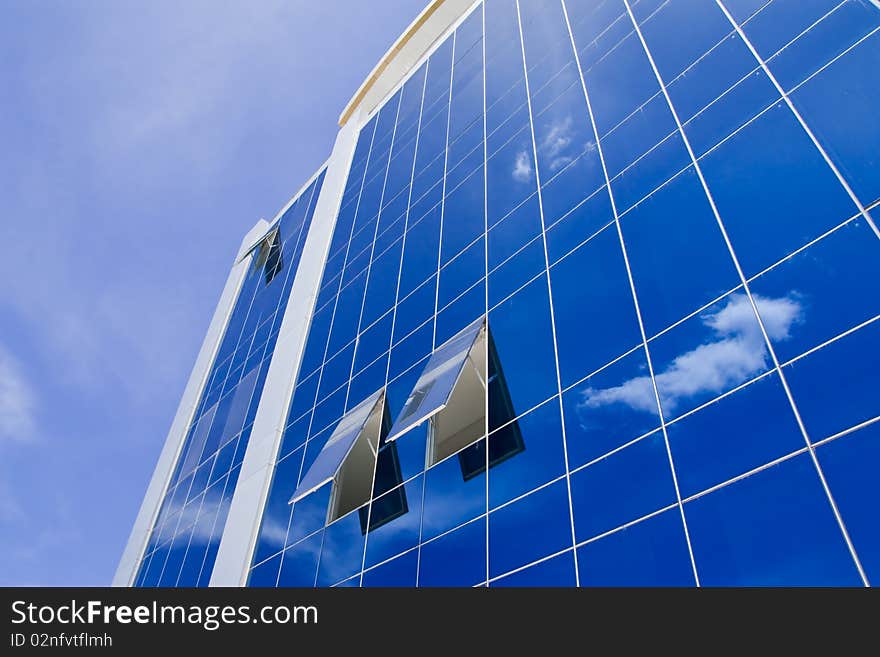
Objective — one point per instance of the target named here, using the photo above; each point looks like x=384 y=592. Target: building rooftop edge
x=404 y=53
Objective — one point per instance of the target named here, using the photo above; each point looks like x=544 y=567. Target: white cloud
x=17 y=405
x=556 y=144
x=522 y=168
x=737 y=353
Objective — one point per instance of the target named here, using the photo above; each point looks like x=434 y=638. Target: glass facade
x=663 y=209
x=186 y=534
x=658 y=214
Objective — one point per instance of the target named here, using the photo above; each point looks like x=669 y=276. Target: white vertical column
x=243 y=522
x=146 y=518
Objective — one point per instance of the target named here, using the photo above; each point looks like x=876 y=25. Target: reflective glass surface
x=679 y=282
x=186 y=534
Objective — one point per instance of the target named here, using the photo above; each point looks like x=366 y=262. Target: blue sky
x=140 y=141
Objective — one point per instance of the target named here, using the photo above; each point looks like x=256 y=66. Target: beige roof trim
x=388 y=58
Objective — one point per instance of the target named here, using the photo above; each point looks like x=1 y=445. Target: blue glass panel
x=781 y=21
x=620 y=83
x=467 y=90
x=716 y=350
x=411 y=452
x=463 y=215
x=573 y=183
x=563 y=134
x=224 y=460
x=545 y=91
x=836 y=387
x=348 y=312
x=840 y=102
x=652 y=552
x=420 y=252
x=467 y=268
x=151 y=568
x=681 y=31
x=774 y=528
x=507 y=116
x=432 y=143
x=328 y=411
x=391 y=226
x=372 y=343
x=464 y=155
x=415 y=309
x=439 y=67
x=266 y=574
x=427 y=191
x=303 y=397
x=621 y=488
x=176 y=553
x=510 y=176
x=309 y=514
x=833 y=283
x=637 y=135
x=650 y=171
x=295 y=435
x=399 y=388
x=825 y=41
x=276 y=514
x=558 y=571
x=461 y=312
x=336 y=371
x=595 y=315
x=517 y=271
x=609 y=409
x=523 y=336
x=397 y=572
x=456 y=559
x=342 y=551
x=582 y=222
x=730 y=111
x=543 y=516
x=398 y=531
x=411 y=349
x=773 y=190
x=850 y=465
x=451 y=500
x=743 y=9
x=751 y=427
x=692 y=267
x=367 y=382
x=542 y=458
x=517 y=229
x=383 y=284
x=597 y=27
x=299 y=564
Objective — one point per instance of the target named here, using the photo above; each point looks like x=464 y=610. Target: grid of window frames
x=187 y=531
x=664 y=210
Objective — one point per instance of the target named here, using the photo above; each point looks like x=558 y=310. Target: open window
x=451 y=394
x=269 y=255
x=348 y=459
x=389 y=497
x=507 y=441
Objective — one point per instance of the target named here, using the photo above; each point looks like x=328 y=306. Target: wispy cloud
x=737 y=353
x=556 y=143
x=17 y=401
x=522 y=168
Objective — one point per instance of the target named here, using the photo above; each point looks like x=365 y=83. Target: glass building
x=587 y=293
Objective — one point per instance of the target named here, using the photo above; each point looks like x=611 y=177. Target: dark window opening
x=507 y=441
x=388 y=477
x=269 y=256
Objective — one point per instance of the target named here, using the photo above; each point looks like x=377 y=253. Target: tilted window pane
x=435 y=385
x=333 y=454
